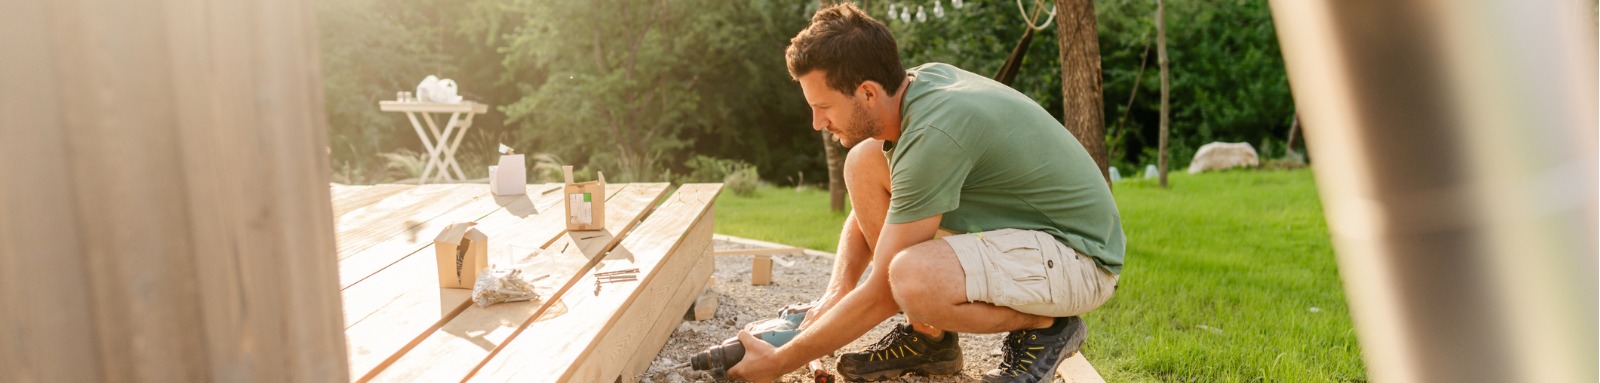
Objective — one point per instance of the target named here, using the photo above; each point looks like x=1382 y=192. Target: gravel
x=739 y=303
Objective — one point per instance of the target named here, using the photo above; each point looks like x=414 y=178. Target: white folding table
x=440 y=155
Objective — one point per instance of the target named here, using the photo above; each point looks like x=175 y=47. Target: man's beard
x=861 y=128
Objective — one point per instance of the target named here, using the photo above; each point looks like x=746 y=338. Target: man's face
x=838 y=113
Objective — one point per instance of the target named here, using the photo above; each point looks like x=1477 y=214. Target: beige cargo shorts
x=1031 y=272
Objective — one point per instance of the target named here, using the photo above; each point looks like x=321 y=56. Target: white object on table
x=440 y=155
x=510 y=177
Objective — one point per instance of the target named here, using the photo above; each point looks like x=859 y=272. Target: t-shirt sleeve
x=927 y=176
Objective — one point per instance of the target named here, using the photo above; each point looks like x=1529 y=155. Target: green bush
x=743 y=182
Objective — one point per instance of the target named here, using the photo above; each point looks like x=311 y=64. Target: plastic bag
x=498 y=285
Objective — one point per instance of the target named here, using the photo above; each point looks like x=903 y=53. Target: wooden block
x=705 y=306
x=391 y=312
x=761 y=270
x=1077 y=370
x=461 y=344
x=596 y=336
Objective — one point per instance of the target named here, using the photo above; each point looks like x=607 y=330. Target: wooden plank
x=768 y=245
x=450 y=353
x=559 y=345
x=1077 y=370
x=781 y=250
x=664 y=324
x=393 y=309
x=401 y=213
x=355 y=267
x=351 y=197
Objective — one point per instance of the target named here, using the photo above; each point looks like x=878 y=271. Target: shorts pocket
x=1020 y=275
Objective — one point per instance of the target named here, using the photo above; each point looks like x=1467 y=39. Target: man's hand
x=823 y=305
x=759 y=364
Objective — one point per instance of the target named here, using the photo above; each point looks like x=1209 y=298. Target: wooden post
x=1161 y=57
x=165 y=214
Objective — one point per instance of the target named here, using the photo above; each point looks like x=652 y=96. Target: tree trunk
x=832 y=150
x=836 y=188
x=1288 y=150
x=1080 y=78
x=1161 y=57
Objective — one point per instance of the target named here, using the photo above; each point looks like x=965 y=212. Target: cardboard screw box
x=462 y=253
x=585 y=202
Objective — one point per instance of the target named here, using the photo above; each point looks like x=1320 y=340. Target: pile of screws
x=601 y=278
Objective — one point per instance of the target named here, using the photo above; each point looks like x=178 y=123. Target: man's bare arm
x=859 y=311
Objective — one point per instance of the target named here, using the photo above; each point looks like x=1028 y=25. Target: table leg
x=440 y=139
x=427 y=145
x=450 y=152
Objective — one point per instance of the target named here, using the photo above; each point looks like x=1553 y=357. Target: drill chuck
x=719 y=358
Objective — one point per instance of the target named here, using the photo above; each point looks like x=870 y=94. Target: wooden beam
x=586 y=342
x=396 y=308
x=459 y=345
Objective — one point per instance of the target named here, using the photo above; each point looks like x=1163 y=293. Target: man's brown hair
x=850 y=46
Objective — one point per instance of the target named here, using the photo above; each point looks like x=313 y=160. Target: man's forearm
x=859 y=311
x=849 y=263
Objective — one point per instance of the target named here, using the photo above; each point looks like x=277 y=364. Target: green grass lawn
x=1230 y=277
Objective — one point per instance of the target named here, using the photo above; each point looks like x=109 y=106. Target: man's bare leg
x=929 y=285
x=866 y=175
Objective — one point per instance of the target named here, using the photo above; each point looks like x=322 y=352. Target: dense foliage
x=638 y=89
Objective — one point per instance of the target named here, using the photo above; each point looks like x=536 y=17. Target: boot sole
x=949 y=367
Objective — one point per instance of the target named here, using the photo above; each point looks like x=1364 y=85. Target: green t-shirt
x=989 y=158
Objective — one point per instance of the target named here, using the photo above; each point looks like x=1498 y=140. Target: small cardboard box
x=510 y=177
x=462 y=251
x=585 y=202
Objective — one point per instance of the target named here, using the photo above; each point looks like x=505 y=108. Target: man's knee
x=866 y=163
x=912 y=276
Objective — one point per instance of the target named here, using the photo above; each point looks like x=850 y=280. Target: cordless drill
x=776 y=331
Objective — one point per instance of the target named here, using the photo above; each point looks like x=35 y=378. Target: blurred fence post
x=1456 y=161
x=164 y=213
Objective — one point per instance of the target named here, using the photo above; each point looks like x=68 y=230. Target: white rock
x=1115 y=175
x=1223 y=155
x=1150 y=171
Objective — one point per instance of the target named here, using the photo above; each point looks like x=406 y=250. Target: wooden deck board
x=351 y=197
x=400 y=213
x=559 y=344
x=355 y=267
x=450 y=353
x=391 y=310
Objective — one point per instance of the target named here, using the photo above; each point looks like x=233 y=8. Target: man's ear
x=869 y=89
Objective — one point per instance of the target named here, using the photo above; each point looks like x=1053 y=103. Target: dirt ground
x=739 y=303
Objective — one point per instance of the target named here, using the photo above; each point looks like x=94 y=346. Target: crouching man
x=939 y=150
